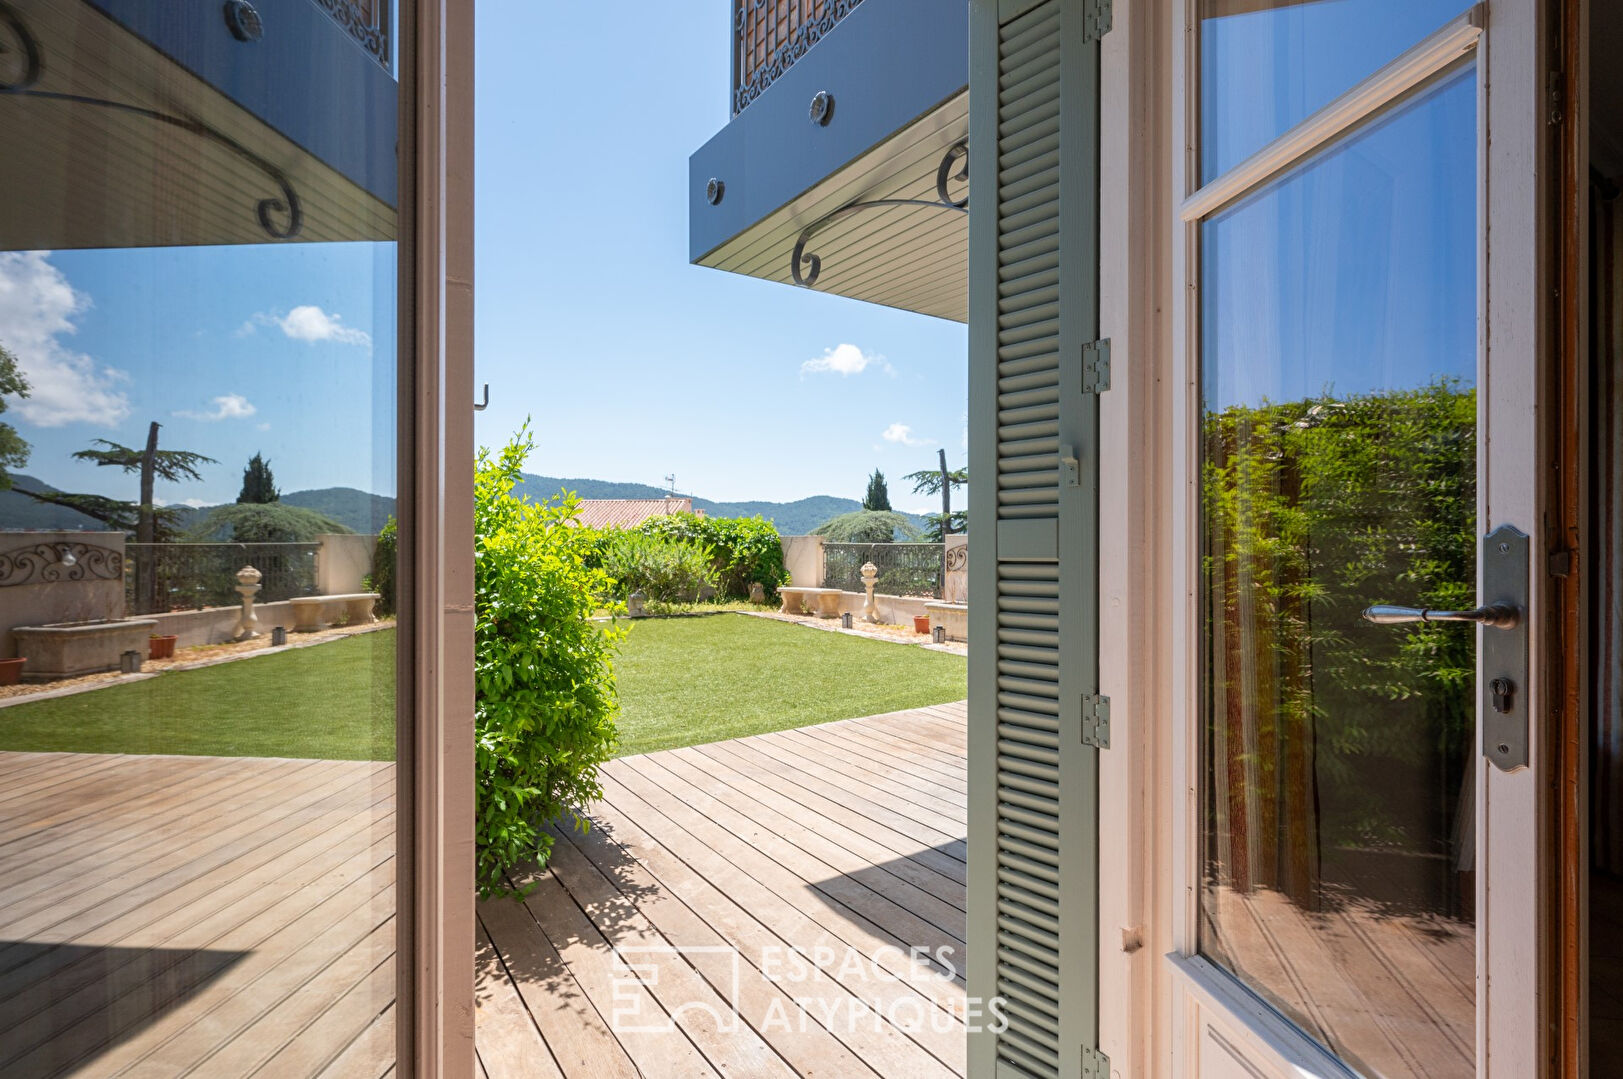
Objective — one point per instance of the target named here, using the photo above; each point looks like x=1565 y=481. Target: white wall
x=803 y=558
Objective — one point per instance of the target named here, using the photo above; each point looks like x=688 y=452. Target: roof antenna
x=671 y=479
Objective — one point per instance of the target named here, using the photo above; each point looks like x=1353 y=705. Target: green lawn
x=690 y=680
x=682 y=681
x=334 y=701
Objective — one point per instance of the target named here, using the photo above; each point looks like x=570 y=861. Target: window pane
x=1338 y=344
x=1266 y=65
x=197 y=454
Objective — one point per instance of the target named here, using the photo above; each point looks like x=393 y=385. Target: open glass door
x=1362 y=860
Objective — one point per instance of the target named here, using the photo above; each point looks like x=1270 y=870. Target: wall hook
x=480 y=406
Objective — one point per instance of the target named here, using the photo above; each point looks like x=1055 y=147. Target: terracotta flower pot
x=11 y=671
x=921 y=623
x=162 y=647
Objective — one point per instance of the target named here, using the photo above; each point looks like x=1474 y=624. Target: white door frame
x=1164 y=1010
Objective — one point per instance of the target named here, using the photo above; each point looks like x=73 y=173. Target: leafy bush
x=868 y=526
x=384 y=557
x=545 y=700
x=664 y=569
x=268 y=522
x=744 y=549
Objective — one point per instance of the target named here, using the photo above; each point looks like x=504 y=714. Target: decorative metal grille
x=367 y=22
x=770 y=35
x=51 y=563
x=189 y=576
x=905 y=569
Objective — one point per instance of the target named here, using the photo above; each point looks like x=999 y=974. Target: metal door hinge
x=1557 y=98
x=1096 y=366
x=1095 y=1065
x=1096 y=720
x=1097 y=18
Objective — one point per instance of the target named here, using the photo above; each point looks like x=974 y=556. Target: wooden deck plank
x=766 y=926
x=210 y=913
x=692 y=910
x=135 y=820
x=303 y=887
x=577 y=1035
x=949 y=804
x=895 y=919
x=695 y=988
x=308 y=812
x=831 y=809
x=777 y=893
x=505 y=1032
x=885 y=768
x=871 y=803
x=729 y=790
x=657 y=1048
x=880 y=847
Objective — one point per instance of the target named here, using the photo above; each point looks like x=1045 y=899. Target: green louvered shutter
x=1034 y=320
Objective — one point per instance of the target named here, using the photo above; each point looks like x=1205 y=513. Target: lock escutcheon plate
x=1502 y=665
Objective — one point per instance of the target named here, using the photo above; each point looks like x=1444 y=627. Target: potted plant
x=921 y=623
x=162 y=647
x=11 y=671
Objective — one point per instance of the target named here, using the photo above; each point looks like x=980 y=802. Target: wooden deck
x=745 y=908
x=166 y=916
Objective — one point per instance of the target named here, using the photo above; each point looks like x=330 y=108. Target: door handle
x=1497 y=615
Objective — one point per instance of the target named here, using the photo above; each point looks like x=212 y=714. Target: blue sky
x=632 y=364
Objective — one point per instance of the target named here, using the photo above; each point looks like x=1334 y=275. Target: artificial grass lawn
x=682 y=681
x=333 y=701
x=689 y=680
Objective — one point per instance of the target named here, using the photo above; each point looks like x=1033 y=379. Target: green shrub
x=384 y=557
x=744 y=549
x=262 y=522
x=664 y=569
x=868 y=526
x=545 y=702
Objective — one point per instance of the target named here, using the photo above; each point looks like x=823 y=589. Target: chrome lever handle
x=1499 y=616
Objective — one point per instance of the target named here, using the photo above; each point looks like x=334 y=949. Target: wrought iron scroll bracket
x=51 y=563
x=271 y=212
x=954 y=168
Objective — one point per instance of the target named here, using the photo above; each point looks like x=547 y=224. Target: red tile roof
x=628 y=512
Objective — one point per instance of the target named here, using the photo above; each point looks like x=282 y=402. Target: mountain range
x=365 y=512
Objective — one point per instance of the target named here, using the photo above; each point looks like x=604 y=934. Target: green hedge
x=743 y=549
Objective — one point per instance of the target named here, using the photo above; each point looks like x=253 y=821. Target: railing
x=161 y=577
x=905 y=569
x=368 y=21
x=770 y=35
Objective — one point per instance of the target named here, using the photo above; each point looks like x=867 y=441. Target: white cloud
x=307 y=322
x=231 y=406
x=37 y=309
x=844 y=360
x=194 y=503
x=263 y=426
x=902 y=433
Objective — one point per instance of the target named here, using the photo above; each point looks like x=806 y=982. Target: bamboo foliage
x=1324 y=734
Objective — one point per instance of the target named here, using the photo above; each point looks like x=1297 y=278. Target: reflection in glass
x=1266 y=65
x=197 y=455
x=1339 y=465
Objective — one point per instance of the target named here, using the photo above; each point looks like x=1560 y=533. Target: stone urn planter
x=921 y=623
x=11 y=671
x=162 y=647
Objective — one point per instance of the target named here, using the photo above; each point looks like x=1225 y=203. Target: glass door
x=1350 y=394
x=199 y=435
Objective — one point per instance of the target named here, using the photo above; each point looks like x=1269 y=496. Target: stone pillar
x=870 y=575
x=248 y=580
